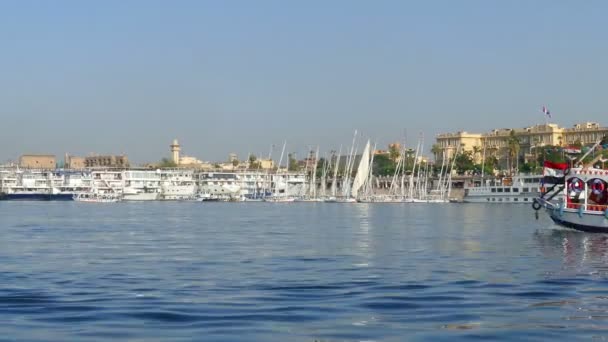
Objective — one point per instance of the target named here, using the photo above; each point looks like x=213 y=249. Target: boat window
x=525 y=200
x=500 y=200
x=499 y=189
x=515 y=189
x=526 y=189
x=515 y=199
x=488 y=199
x=493 y=199
x=493 y=189
x=507 y=189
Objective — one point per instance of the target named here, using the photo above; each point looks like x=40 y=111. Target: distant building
x=395 y=145
x=184 y=160
x=189 y=161
x=175 y=149
x=265 y=164
x=73 y=162
x=33 y=161
x=111 y=161
x=496 y=142
x=448 y=143
x=585 y=133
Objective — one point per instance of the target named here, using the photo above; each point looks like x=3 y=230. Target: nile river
x=296 y=272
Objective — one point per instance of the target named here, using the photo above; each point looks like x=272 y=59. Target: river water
x=296 y=272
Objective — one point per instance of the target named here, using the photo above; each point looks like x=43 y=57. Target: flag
x=553 y=173
x=572 y=150
x=546 y=111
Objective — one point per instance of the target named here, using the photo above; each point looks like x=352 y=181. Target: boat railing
x=588 y=207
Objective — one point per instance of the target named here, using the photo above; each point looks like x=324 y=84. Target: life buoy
x=598 y=186
x=576 y=185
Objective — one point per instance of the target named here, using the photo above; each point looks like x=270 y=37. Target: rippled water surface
x=296 y=272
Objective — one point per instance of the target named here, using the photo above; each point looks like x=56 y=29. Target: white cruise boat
x=218 y=185
x=513 y=190
x=70 y=182
x=141 y=185
x=33 y=185
x=177 y=185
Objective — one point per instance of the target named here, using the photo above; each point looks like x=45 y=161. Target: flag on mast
x=546 y=111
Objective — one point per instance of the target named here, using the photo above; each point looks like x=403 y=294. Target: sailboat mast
x=276 y=182
x=334 y=182
x=369 y=185
x=346 y=183
x=313 y=184
x=411 y=185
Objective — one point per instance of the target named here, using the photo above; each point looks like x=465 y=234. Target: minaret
x=175 y=151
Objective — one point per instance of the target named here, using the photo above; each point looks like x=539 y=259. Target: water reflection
x=576 y=250
x=362 y=211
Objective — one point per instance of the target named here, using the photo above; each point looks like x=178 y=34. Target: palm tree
x=436 y=150
x=476 y=152
x=513 y=147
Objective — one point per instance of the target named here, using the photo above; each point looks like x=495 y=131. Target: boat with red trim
x=579 y=198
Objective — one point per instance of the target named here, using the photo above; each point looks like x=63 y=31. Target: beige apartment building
x=111 y=161
x=73 y=162
x=37 y=161
x=496 y=141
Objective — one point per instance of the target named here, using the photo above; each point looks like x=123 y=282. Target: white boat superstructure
x=513 y=190
x=177 y=184
x=108 y=181
x=218 y=185
x=141 y=185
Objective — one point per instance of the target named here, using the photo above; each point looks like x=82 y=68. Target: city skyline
x=238 y=77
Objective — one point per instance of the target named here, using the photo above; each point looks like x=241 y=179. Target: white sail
x=362 y=171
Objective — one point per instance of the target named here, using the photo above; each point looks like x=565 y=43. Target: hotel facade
x=496 y=141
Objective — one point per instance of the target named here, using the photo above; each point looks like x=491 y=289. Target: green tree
x=254 y=163
x=436 y=150
x=464 y=162
x=293 y=162
x=550 y=153
x=321 y=163
x=476 y=152
x=166 y=163
x=526 y=168
x=408 y=163
x=383 y=165
x=513 y=147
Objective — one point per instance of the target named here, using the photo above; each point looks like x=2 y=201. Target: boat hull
x=37 y=197
x=144 y=196
x=592 y=222
x=516 y=199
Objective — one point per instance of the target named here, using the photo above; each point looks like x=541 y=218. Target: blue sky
x=238 y=76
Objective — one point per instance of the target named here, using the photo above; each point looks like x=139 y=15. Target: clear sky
x=129 y=76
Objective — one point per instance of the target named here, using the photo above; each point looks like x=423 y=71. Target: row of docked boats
x=143 y=185
x=356 y=183
x=191 y=185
